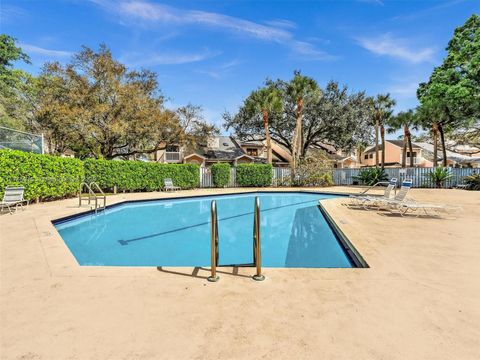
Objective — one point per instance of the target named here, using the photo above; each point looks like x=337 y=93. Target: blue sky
x=213 y=53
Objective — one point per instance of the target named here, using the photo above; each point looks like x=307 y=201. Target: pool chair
x=169 y=185
x=359 y=200
x=399 y=198
x=416 y=208
x=13 y=198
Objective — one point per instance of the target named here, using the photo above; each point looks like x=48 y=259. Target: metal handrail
x=257 y=249
x=91 y=195
x=101 y=192
x=214 y=242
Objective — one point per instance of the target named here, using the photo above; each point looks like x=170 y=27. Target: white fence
x=281 y=176
x=418 y=175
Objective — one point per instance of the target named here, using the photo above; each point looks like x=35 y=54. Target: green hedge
x=221 y=174
x=43 y=176
x=140 y=176
x=254 y=174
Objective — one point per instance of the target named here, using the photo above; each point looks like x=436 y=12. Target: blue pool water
x=176 y=232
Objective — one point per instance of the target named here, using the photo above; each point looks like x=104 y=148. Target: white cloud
x=404 y=90
x=146 y=13
x=282 y=23
x=166 y=58
x=387 y=45
x=32 y=49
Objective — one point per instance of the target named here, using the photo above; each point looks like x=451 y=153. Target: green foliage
x=254 y=174
x=472 y=181
x=451 y=97
x=17 y=88
x=371 y=176
x=140 y=176
x=439 y=175
x=221 y=174
x=332 y=115
x=312 y=171
x=43 y=176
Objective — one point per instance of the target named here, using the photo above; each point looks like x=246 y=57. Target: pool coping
x=351 y=252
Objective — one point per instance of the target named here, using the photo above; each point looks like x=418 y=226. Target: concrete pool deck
x=420 y=298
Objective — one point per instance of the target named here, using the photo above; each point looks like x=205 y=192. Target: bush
x=43 y=176
x=472 y=181
x=254 y=174
x=140 y=176
x=371 y=176
x=438 y=176
x=311 y=172
x=221 y=174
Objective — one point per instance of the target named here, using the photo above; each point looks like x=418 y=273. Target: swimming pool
x=176 y=232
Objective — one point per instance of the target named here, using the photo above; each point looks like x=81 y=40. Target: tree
x=452 y=93
x=330 y=116
x=193 y=130
x=300 y=89
x=96 y=107
x=404 y=120
x=17 y=90
x=264 y=102
x=382 y=106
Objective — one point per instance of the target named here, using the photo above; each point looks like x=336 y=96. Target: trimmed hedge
x=254 y=174
x=140 y=176
x=221 y=174
x=43 y=176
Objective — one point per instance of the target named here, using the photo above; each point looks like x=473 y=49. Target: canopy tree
x=406 y=121
x=452 y=93
x=17 y=87
x=263 y=103
x=97 y=107
x=330 y=116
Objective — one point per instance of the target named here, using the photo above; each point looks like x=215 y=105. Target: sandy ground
x=420 y=298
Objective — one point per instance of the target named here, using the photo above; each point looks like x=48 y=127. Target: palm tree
x=265 y=101
x=405 y=120
x=299 y=88
x=429 y=118
x=382 y=110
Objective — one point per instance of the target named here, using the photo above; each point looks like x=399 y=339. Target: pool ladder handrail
x=92 y=195
x=257 y=255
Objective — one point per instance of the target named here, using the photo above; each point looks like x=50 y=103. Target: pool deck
x=420 y=298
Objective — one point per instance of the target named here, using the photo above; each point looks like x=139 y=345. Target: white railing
x=416 y=160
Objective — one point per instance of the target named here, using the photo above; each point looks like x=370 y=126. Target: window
x=366 y=156
x=172 y=148
x=252 y=152
x=371 y=156
x=413 y=154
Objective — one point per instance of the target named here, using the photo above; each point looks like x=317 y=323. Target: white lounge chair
x=13 y=198
x=399 y=198
x=428 y=208
x=169 y=185
x=359 y=200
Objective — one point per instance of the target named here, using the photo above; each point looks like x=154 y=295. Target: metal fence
x=420 y=177
x=20 y=140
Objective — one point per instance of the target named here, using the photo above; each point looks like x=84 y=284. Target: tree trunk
x=377 y=125
x=382 y=135
x=442 y=140
x=296 y=135
x=435 y=144
x=267 y=136
x=408 y=135
x=404 y=150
